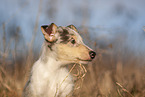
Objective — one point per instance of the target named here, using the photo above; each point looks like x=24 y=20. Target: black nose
x=92 y=54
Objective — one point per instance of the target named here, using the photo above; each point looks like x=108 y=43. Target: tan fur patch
x=67 y=52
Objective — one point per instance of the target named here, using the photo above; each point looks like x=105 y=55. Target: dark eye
x=73 y=41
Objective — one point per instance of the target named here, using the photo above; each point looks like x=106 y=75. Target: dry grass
x=111 y=74
x=115 y=72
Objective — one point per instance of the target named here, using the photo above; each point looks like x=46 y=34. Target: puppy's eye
x=73 y=41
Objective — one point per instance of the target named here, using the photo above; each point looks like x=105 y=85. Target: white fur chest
x=50 y=81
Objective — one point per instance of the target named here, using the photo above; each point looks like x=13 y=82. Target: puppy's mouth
x=84 y=61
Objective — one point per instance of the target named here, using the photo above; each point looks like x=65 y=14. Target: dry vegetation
x=113 y=73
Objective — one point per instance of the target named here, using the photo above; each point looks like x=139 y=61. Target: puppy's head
x=67 y=44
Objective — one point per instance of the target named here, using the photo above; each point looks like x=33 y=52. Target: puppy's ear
x=49 y=32
x=73 y=27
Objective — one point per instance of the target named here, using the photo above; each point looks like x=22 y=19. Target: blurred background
x=115 y=29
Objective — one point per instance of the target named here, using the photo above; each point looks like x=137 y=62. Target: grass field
x=114 y=72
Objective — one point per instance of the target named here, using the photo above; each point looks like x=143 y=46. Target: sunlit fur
x=49 y=71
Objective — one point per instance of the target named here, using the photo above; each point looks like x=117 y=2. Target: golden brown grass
x=111 y=74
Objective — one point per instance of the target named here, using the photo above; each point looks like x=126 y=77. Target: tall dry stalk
x=4 y=43
x=30 y=59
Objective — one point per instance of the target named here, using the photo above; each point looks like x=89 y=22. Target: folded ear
x=49 y=32
x=73 y=27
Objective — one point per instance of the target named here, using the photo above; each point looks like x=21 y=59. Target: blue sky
x=112 y=16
